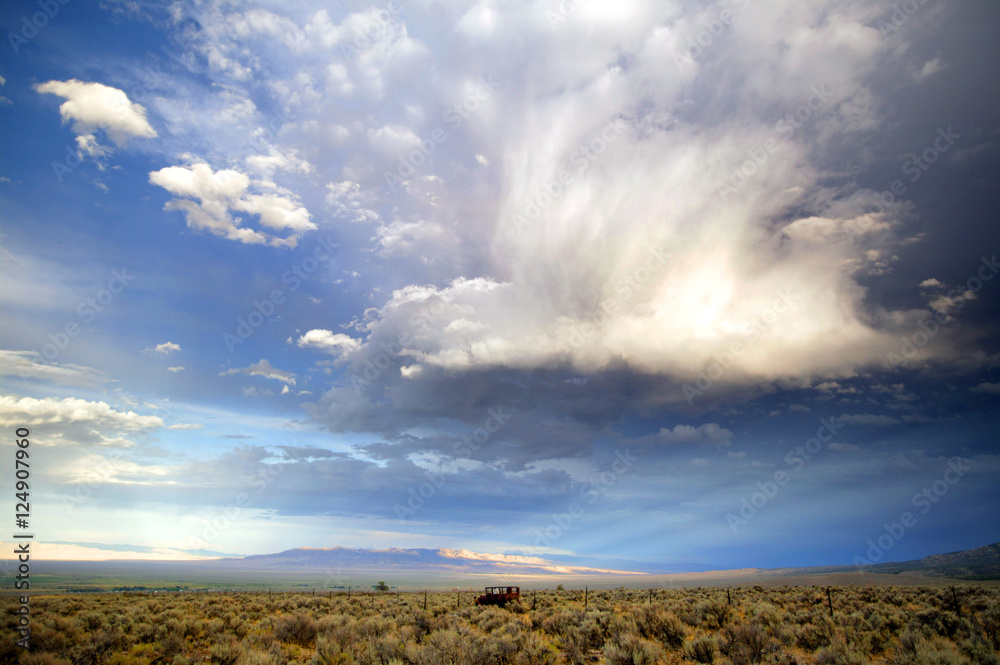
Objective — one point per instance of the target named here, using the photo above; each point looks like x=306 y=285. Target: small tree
x=560 y=588
x=381 y=586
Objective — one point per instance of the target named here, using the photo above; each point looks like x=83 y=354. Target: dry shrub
x=329 y=653
x=512 y=645
x=213 y=627
x=630 y=649
x=991 y=624
x=812 y=636
x=51 y=638
x=620 y=625
x=258 y=657
x=574 y=646
x=745 y=643
x=42 y=659
x=296 y=628
x=379 y=650
x=839 y=653
x=532 y=650
x=979 y=652
x=767 y=615
x=445 y=647
x=560 y=622
x=91 y=621
x=659 y=624
x=490 y=618
x=95 y=648
x=144 y=632
x=128 y=659
x=711 y=613
x=942 y=622
x=171 y=644
x=597 y=628
x=424 y=623
x=915 y=649
x=225 y=652
x=702 y=649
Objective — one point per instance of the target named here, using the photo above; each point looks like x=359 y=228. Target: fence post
x=425 y=600
x=586 y=593
x=829 y=600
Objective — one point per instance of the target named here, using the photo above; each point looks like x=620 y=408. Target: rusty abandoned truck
x=500 y=595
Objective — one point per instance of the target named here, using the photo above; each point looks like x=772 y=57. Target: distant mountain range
x=978 y=564
x=414 y=560
x=93 y=566
x=982 y=563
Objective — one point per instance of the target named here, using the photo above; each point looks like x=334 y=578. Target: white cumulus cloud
x=31 y=411
x=165 y=349
x=95 y=106
x=212 y=200
x=337 y=344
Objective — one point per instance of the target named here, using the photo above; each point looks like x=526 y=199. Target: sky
x=708 y=284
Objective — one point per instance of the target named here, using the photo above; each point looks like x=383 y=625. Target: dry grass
x=783 y=625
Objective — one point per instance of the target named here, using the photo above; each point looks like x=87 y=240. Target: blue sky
x=708 y=284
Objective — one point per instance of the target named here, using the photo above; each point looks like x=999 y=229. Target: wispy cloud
x=264 y=369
